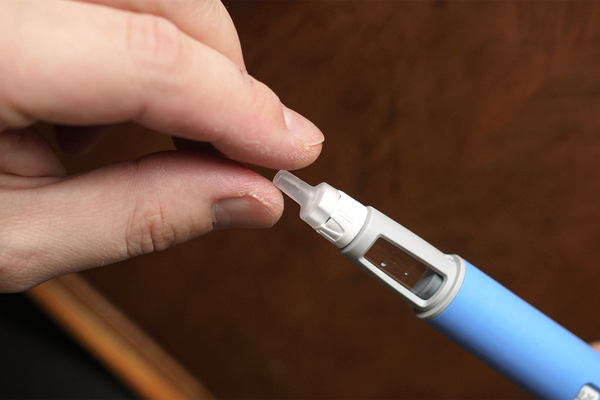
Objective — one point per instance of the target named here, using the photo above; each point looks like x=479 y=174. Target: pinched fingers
x=80 y=64
x=77 y=63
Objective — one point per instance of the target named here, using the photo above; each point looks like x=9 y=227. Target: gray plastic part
x=446 y=268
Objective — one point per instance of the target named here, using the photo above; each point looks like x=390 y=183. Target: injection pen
x=453 y=296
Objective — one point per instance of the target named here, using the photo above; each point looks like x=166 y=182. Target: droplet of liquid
x=406 y=273
x=384 y=264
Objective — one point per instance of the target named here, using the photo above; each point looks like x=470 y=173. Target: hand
x=173 y=66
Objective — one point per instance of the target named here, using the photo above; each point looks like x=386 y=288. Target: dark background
x=474 y=124
x=39 y=361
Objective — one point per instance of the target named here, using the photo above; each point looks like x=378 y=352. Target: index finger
x=77 y=63
x=204 y=20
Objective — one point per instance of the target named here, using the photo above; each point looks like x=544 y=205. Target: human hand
x=173 y=66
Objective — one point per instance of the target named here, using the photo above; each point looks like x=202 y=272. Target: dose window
x=404 y=268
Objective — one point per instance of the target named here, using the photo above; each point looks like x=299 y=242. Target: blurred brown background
x=474 y=124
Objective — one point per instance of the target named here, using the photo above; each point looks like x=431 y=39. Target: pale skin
x=174 y=66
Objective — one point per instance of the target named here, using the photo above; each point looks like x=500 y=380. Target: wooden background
x=474 y=124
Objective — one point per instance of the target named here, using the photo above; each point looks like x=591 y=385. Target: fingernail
x=302 y=128
x=240 y=212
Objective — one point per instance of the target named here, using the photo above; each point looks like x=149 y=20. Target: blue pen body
x=453 y=296
x=478 y=313
x=517 y=340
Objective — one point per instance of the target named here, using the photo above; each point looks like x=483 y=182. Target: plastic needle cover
x=300 y=191
x=331 y=212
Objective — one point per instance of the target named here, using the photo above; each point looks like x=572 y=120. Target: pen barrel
x=517 y=340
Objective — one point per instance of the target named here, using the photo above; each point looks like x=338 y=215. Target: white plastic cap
x=331 y=212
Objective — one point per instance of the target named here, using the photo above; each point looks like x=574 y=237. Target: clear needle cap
x=332 y=213
x=300 y=191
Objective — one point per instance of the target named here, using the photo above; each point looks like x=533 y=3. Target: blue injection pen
x=453 y=296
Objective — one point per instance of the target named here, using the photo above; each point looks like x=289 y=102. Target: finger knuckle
x=149 y=228
x=153 y=43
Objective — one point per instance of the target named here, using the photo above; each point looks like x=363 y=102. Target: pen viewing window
x=403 y=268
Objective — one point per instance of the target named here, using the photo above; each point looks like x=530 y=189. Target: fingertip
x=310 y=155
x=307 y=138
x=302 y=128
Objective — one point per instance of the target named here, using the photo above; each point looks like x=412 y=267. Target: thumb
x=125 y=210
